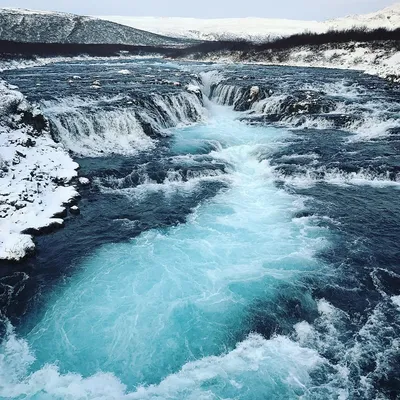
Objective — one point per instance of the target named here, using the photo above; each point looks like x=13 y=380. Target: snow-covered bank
x=35 y=175
x=376 y=58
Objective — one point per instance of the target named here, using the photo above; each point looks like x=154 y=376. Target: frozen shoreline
x=35 y=175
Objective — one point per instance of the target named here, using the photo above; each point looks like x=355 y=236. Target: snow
x=218 y=29
x=193 y=88
x=25 y=11
x=388 y=18
x=84 y=181
x=256 y=29
x=383 y=61
x=35 y=178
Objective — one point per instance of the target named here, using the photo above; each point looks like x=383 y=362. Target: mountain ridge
x=23 y=25
x=256 y=29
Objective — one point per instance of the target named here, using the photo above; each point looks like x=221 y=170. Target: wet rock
x=340 y=120
x=306 y=102
x=51 y=227
x=249 y=96
x=75 y=210
x=28 y=143
x=19 y=205
x=21 y=154
x=61 y=214
x=37 y=121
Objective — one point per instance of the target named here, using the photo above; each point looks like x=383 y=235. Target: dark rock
x=44 y=230
x=306 y=102
x=19 y=205
x=21 y=154
x=61 y=214
x=250 y=95
x=28 y=143
x=75 y=210
x=38 y=122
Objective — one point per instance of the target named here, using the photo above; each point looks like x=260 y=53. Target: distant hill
x=27 y=26
x=255 y=29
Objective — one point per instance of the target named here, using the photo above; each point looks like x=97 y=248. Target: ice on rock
x=193 y=89
x=254 y=92
x=75 y=210
x=35 y=177
x=96 y=85
x=14 y=246
x=84 y=181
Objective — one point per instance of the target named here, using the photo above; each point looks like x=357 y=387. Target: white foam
x=340 y=178
x=273 y=366
x=396 y=301
x=86 y=128
x=106 y=132
x=210 y=78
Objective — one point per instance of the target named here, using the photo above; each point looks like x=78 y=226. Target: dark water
x=322 y=151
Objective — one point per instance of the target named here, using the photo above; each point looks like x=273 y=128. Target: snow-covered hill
x=20 y=25
x=256 y=29
x=388 y=18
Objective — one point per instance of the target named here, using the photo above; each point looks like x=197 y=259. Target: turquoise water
x=165 y=315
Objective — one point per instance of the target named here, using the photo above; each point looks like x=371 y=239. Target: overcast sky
x=293 y=9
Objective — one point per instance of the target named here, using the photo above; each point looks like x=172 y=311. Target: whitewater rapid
x=218 y=253
x=174 y=308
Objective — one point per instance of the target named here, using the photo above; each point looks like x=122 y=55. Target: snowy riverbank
x=376 y=58
x=35 y=175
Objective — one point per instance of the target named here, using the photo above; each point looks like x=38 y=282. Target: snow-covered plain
x=35 y=175
x=256 y=29
x=383 y=61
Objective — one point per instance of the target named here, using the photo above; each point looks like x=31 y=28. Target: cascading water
x=119 y=125
x=252 y=263
x=143 y=309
